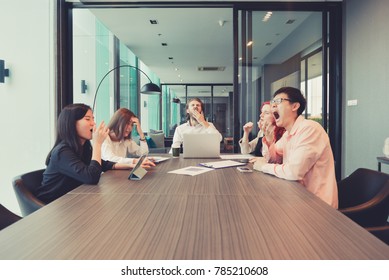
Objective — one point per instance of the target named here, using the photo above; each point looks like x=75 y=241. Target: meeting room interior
x=153 y=57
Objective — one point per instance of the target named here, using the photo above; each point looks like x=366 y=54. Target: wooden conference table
x=221 y=214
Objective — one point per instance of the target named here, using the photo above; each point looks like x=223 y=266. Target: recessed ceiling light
x=249 y=43
x=267 y=16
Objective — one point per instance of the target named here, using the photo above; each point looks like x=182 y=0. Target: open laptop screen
x=201 y=145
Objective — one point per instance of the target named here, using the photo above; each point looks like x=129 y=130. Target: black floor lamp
x=149 y=88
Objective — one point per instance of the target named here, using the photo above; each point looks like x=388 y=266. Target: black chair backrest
x=24 y=187
x=361 y=186
x=381 y=233
x=7 y=217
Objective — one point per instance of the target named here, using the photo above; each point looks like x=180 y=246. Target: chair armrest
x=369 y=214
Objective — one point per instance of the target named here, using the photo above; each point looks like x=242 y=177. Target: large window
x=93 y=57
x=272 y=54
x=254 y=48
x=100 y=80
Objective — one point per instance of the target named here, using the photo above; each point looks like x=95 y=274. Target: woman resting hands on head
x=119 y=146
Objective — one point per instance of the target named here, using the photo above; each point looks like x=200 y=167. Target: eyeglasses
x=279 y=100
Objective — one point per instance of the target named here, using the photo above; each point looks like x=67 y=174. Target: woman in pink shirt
x=305 y=148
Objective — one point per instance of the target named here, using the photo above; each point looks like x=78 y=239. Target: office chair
x=364 y=197
x=24 y=187
x=381 y=233
x=7 y=217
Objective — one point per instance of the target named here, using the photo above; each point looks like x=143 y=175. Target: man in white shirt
x=196 y=123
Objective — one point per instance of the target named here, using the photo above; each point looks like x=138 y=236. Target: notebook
x=201 y=145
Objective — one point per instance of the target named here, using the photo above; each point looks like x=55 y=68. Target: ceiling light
x=267 y=16
x=153 y=21
x=164 y=44
x=249 y=43
x=222 y=22
x=211 y=68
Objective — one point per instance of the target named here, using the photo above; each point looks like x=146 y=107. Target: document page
x=191 y=170
x=222 y=164
x=158 y=159
x=236 y=156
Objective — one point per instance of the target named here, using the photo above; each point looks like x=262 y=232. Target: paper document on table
x=222 y=164
x=191 y=170
x=236 y=156
x=159 y=159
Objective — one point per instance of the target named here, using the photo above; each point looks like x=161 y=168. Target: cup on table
x=176 y=152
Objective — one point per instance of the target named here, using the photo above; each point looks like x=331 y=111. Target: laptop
x=201 y=145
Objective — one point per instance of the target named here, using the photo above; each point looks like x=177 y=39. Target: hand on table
x=258 y=162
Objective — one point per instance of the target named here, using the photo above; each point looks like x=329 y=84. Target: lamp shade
x=176 y=100
x=149 y=88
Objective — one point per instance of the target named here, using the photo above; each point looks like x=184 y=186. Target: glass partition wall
x=278 y=49
x=217 y=99
x=93 y=42
x=274 y=45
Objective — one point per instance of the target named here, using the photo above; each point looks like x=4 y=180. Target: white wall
x=366 y=79
x=27 y=96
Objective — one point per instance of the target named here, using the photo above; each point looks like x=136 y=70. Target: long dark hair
x=66 y=128
x=119 y=121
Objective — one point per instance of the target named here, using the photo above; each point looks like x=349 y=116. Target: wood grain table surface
x=220 y=215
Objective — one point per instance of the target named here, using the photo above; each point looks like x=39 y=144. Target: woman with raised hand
x=73 y=160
